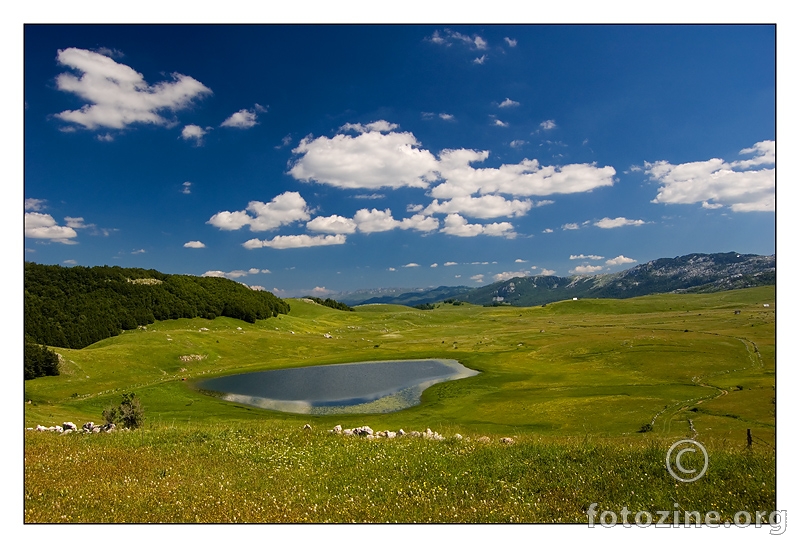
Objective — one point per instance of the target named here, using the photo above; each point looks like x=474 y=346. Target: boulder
x=391 y=435
x=347 y=432
x=458 y=437
x=401 y=432
x=484 y=439
x=507 y=441
x=40 y=428
x=69 y=426
x=88 y=426
x=337 y=429
x=306 y=427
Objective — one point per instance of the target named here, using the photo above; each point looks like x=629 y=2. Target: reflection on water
x=364 y=387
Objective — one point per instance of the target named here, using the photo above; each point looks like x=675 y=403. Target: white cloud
x=512 y=43
x=253 y=271
x=548 y=124
x=570 y=226
x=374 y=220
x=528 y=178
x=381 y=126
x=744 y=185
x=448 y=37
x=477 y=277
x=509 y=103
x=335 y=224
x=257 y=287
x=373 y=196
x=266 y=271
x=585 y=269
x=118 y=96
x=584 y=257
x=618 y=260
x=105 y=138
x=192 y=131
x=546 y=272
x=489 y=206
x=392 y=269
x=70 y=262
x=138 y=251
x=508 y=275
x=410 y=265
x=517 y=143
x=446 y=117
x=547 y=231
x=243 y=119
x=520 y=261
x=499 y=123
x=284 y=209
x=42 y=226
x=34 y=204
x=369 y=160
x=232 y=275
x=187 y=188
x=479 y=60
x=434 y=265
x=194 y=244
x=618 y=222
x=301 y=240
x=450 y=263
x=286 y=141
x=76 y=222
x=456 y=225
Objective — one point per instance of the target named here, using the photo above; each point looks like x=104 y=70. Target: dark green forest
x=330 y=303
x=77 y=306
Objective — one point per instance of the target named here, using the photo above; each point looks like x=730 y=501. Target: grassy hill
x=573 y=383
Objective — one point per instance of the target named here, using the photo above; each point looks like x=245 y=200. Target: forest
x=73 y=307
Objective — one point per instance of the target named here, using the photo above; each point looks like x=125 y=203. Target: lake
x=363 y=387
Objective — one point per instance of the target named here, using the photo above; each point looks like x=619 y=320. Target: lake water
x=363 y=387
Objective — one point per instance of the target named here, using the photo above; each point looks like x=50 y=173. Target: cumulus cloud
x=618 y=222
x=371 y=160
x=335 y=224
x=546 y=272
x=570 y=226
x=410 y=265
x=520 y=261
x=434 y=265
x=477 y=278
x=509 y=103
x=34 y=204
x=446 y=117
x=284 y=209
x=194 y=244
x=192 y=131
x=584 y=257
x=548 y=124
x=620 y=259
x=42 y=226
x=300 y=240
x=516 y=143
x=499 y=123
x=118 y=96
x=512 y=43
x=373 y=196
x=481 y=207
x=187 y=188
x=456 y=225
x=232 y=275
x=450 y=263
x=375 y=220
x=585 y=269
x=528 y=178
x=379 y=157
x=547 y=231
x=243 y=119
x=381 y=126
x=744 y=185
x=508 y=275
x=479 y=60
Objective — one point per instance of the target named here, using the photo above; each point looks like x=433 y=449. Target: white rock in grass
x=391 y=435
x=347 y=431
x=69 y=426
x=307 y=427
x=337 y=429
x=458 y=437
x=507 y=441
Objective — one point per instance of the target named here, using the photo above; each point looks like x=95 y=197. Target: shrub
x=129 y=413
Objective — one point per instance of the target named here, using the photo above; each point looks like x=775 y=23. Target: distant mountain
x=695 y=273
x=408 y=297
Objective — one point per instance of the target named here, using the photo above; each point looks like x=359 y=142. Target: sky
x=317 y=159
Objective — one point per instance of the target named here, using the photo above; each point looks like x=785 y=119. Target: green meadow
x=574 y=383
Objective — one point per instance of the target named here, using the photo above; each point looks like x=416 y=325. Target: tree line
x=77 y=306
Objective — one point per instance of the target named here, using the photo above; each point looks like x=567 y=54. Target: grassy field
x=572 y=382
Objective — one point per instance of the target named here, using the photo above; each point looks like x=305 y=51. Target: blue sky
x=316 y=159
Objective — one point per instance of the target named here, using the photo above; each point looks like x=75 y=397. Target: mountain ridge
x=695 y=272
